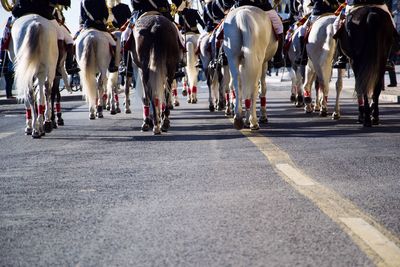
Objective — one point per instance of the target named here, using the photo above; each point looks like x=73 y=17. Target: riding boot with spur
x=112 y=67
x=342 y=60
x=303 y=57
x=70 y=65
x=278 y=60
x=60 y=45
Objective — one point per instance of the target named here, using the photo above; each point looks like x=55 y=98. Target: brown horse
x=156 y=52
x=367 y=39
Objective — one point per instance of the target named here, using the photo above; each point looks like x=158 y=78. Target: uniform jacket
x=188 y=19
x=43 y=8
x=94 y=14
x=121 y=13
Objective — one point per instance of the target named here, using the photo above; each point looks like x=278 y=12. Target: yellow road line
x=379 y=244
x=2 y=135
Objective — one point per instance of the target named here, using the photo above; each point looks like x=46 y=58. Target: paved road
x=304 y=191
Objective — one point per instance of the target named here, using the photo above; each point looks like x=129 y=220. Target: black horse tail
x=375 y=51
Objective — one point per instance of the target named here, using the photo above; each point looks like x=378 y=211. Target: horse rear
x=36 y=53
x=93 y=57
x=249 y=44
x=367 y=42
x=157 y=54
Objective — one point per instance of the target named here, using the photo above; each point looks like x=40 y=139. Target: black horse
x=156 y=51
x=367 y=40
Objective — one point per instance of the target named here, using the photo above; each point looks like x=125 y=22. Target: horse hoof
x=255 y=127
x=36 y=134
x=54 y=124
x=238 y=123
x=92 y=117
x=184 y=92
x=194 y=101
x=292 y=98
x=375 y=121
x=108 y=108
x=308 y=109
x=28 y=131
x=60 y=122
x=189 y=100
x=307 y=100
x=263 y=120
x=335 y=116
x=145 y=127
x=228 y=113
x=118 y=110
x=113 y=112
x=47 y=127
x=128 y=111
x=100 y=115
x=211 y=107
x=323 y=113
x=176 y=104
x=367 y=123
x=156 y=131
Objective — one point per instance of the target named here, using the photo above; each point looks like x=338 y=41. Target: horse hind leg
x=339 y=86
x=375 y=102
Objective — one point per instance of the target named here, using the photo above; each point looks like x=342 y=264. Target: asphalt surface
x=102 y=193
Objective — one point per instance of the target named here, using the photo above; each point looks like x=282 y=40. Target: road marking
x=87 y=190
x=11 y=115
x=386 y=249
x=294 y=174
x=378 y=243
x=2 y=135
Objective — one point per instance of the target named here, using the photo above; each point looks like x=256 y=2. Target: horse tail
x=191 y=62
x=157 y=72
x=88 y=71
x=372 y=64
x=28 y=59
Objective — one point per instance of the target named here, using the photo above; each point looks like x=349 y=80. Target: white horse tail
x=88 y=70
x=28 y=59
x=191 y=63
x=157 y=74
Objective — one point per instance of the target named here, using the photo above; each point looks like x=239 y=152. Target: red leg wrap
x=189 y=91
x=227 y=97
x=247 y=103
x=146 y=111
x=174 y=92
x=116 y=98
x=58 y=107
x=41 y=109
x=163 y=106
x=263 y=101
x=194 y=90
x=156 y=102
x=360 y=101
x=307 y=94
x=28 y=114
x=105 y=97
x=184 y=85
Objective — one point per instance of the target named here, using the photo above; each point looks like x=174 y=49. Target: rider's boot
x=303 y=58
x=112 y=67
x=278 y=59
x=70 y=65
x=341 y=62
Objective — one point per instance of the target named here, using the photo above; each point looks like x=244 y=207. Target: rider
x=189 y=18
x=162 y=6
x=94 y=14
x=46 y=9
x=320 y=7
x=339 y=28
x=276 y=24
x=121 y=13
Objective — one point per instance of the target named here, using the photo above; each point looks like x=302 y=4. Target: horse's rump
x=367 y=42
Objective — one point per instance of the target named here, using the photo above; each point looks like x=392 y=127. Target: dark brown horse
x=367 y=40
x=156 y=52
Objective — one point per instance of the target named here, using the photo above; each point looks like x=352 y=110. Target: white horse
x=217 y=79
x=321 y=48
x=93 y=57
x=249 y=44
x=191 y=70
x=113 y=83
x=35 y=53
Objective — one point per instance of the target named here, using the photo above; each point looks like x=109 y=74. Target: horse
x=191 y=70
x=367 y=40
x=35 y=52
x=112 y=82
x=321 y=48
x=218 y=79
x=249 y=43
x=156 y=53
x=93 y=56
